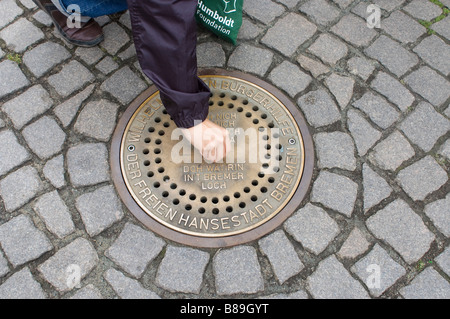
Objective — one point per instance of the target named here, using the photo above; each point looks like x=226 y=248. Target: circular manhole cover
x=169 y=187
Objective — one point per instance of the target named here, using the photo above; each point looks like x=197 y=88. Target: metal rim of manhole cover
x=167 y=185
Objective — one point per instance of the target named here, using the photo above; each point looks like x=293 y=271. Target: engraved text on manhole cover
x=208 y=203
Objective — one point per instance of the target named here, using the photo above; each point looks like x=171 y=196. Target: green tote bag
x=222 y=17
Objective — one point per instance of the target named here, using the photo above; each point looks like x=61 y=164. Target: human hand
x=210 y=139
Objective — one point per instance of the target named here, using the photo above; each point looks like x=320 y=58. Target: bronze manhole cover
x=173 y=191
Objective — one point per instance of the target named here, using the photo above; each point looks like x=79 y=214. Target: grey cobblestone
x=28 y=3
x=87 y=164
x=422 y=178
x=263 y=10
x=128 y=53
x=319 y=108
x=361 y=67
x=341 y=87
x=210 y=54
x=22 y=241
x=361 y=10
x=390 y=271
x=107 y=65
x=320 y=11
x=446 y=3
x=429 y=84
x=88 y=292
x=89 y=55
x=442 y=27
x=79 y=255
x=21 y=285
x=251 y=59
x=378 y=109
x=301 y=28
x=97 y=120
x=12 y=154
x=249 y=30
x=389 y=5
x=375 y=188
x=19 y=187
x=45 y=57
x=290 y=78
x=124 y=85
x=142 y=244
x=425 y=119
x=125 y=19
x=54 y=171
x=354 y=30
x=445 y=149
x=20 y=35
x=402 y=27
x=282 y=255
x=435 y=52
x=9 y=10
x=4 y=269
x=11 y=79
x=68 y=109
x=438 y=212
x=289 y=3
x=193 y=263
x=427 y=285
x=316 y=68
x=403 y=229
x=443 y=261
x=335 y=150
x=127 y=288
x=243 y=275
x=52 y=144
x=363 y=133
x=312 y=227
x=355 y=245
x=423 y=10
x=55 y=214
x=72 y=77
x=343 y=3
x=447 y=112
x=329 y=49
x=393 y=90
x=115 y=38
x=43 y=18
x=390 y=153
x=332 y=280
x=335 y=191
x=99 y=209
x=295 y=295
x=392 y=55
x=27 y=105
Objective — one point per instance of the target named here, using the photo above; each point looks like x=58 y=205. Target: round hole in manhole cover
x=167 y=185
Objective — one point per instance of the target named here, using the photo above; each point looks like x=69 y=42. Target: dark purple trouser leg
x=165 y=36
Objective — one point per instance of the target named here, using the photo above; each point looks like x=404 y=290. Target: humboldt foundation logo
x=216 y=18
x=230 y=6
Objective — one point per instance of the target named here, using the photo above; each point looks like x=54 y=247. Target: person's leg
x=82 y=31
x=165 y=36
x=93 y=8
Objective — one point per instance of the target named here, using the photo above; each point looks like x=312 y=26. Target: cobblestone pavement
x=375 y=223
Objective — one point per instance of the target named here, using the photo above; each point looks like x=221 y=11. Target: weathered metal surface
x=180 y=196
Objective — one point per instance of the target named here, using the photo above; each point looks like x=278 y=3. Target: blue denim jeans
x=94 y=8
